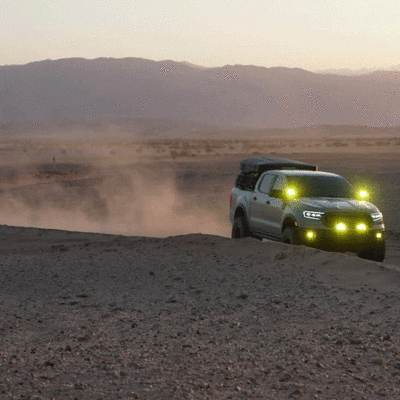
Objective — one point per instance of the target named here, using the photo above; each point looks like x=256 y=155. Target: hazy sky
x=309 y=34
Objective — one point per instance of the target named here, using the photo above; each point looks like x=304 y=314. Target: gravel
x=91 y=316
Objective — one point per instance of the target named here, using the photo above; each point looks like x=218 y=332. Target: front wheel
x=375 y=253
x=239 y=228
x=291 y=235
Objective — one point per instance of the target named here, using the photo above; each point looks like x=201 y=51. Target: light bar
x=341 y=227
x=361 y=227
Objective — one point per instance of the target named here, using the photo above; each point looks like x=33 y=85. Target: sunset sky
x=309 y=34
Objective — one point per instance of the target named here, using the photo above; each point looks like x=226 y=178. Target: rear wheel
x=375 y=253
x=239 y=228
x=291 y=235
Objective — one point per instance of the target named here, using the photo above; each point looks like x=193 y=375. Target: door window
x=278 y=186
x=280 y=183
x=265 y=183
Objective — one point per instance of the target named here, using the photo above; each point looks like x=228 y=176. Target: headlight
x=377 y=216
x=317 y=215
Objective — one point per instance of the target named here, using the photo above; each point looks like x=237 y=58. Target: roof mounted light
x=290 y=192
x=363 y=194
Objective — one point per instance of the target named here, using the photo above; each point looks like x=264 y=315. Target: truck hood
x=327 y=204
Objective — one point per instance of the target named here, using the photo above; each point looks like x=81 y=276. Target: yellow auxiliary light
x=310 y=235
x=363 y=194
x=291 y=192
x=361 y=227
x=341 y=227
x=379 y=235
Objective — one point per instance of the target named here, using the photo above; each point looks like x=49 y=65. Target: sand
x=161 y=303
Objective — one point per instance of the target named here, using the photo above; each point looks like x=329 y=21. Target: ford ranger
x=293 y=202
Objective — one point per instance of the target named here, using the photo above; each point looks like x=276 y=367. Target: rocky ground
x=86 y=316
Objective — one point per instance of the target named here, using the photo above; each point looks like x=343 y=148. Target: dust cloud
x=114 y=199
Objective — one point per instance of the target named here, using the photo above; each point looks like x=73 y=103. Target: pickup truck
x=293 y=202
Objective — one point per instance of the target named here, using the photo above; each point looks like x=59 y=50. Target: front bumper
x=351 y=240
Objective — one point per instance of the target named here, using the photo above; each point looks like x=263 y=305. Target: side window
x=280 y=183
x=265 y=183
x=279 y=186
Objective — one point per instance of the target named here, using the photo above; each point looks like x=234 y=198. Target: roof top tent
x=261 y=164
x=252 y=168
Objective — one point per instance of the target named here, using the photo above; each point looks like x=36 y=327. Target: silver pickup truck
x=293 y=202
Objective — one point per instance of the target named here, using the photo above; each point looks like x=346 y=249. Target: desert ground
x=119 y=279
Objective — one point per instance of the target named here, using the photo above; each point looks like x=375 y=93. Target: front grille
x=351 y=220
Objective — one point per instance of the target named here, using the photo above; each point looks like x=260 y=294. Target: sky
x=310 y=34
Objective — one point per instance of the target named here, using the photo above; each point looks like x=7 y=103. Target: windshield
x=321 y=186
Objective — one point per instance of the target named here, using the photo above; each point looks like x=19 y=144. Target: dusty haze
x=162 y=187
x=102 y=191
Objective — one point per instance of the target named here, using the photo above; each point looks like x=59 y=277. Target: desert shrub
x=337 y=143
x=177 y=154
x=208 y=148
x=174 y=154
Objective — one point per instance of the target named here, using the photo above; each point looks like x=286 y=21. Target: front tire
x=375 y=253
x=291 y=236
x=239 y=228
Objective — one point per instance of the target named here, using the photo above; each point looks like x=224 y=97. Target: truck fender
x=240 y=212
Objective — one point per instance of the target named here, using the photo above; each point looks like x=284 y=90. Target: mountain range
x=241 y=96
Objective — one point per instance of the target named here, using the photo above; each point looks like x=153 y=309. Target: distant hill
x=247 y=96
x=361 y=71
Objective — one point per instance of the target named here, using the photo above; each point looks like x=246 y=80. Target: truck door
x=259 y=208
x=276 y=206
